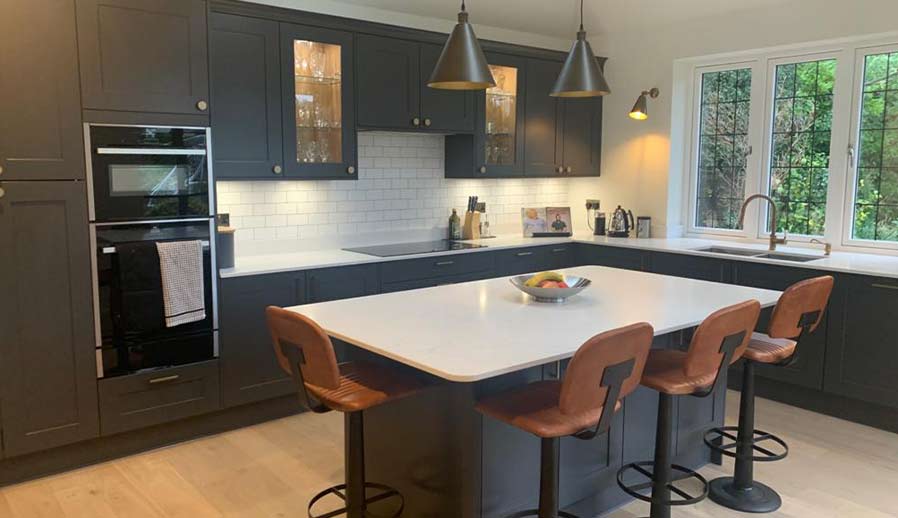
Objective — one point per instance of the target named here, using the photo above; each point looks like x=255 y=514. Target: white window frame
x=847 y=97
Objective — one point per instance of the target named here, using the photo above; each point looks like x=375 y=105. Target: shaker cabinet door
x=580 y=136
x=48 y=396
x=541 y=158
x=245 y=73
x=144 y=55
x=443 y=110
x=389 y=80
x=40 y=125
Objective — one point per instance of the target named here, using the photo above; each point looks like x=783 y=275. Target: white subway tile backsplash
x=400 y=187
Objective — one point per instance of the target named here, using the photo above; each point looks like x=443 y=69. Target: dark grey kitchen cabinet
x=48 y=397
x=861 y=355
x=144 y=55
x=808 y=367
x=561 y=256
x=579 y=139
x=318 y=103
x=614 y=257
x=249 y=370
x=393 y=93
x=541 y=153
x=443 y=110
x=245 y=76
x=691 y=267
x=518 y=261
x=496 y=148
x=40 y=132
x=342 y=283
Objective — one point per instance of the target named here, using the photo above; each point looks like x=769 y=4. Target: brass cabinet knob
x=559 y=169
x=202 y=105
x=2 y=192
x=482 y=169
x=1 y=169
x=427 y=122
x=416 y=122
x=350 y=170
x=568 y=169
x=277 y=169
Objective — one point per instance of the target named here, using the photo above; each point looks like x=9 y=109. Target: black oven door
x=128 y=345
x=149 y=184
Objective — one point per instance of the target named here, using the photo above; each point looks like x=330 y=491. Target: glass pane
x=802 y=118
x=723 y=147
x=501 y=116
x=876 y=187
x=318 y=92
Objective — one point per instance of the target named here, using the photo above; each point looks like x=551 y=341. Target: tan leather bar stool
x=797 y=314
x=717 y=343
x=603 y=371
x=305 y=351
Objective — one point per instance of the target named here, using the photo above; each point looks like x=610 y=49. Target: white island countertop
x=477 y=330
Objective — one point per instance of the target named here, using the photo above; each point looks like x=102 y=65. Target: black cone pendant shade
x=581 y=75
x=462 y=65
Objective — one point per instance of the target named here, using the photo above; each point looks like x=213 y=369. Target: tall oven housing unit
x=148 y=185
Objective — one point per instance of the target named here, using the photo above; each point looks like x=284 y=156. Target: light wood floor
x=836 y=469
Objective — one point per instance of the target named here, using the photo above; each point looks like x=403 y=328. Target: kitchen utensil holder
x=471 y=227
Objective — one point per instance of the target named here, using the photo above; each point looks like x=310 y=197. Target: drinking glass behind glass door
x=318 y=86
x=501 y=116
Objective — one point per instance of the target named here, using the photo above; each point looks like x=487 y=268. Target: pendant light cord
x=463 y=5
x=581 y=13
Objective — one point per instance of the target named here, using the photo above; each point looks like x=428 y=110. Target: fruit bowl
x=575 y=286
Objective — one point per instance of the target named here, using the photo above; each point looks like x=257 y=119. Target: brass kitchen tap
x=773 y=239
x=827 y=247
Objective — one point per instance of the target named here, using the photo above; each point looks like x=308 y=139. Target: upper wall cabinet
x=392 y=89
x=245 y=75
x=580 y=136
x=317 y=103
x=40 y=126
x=541 y=153
x=144 y=55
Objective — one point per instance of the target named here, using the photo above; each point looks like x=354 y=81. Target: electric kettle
x=622 y=222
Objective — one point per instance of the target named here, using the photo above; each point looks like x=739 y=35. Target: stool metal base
x=756 y=499
x=684 y=497
x=714 y=439
x=340 y=492
x=535 y=513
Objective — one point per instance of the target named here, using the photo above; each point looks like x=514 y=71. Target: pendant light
x=462 y=65
x=640 y=111
x=581 y=75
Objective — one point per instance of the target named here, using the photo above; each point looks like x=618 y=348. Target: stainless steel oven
x=127 y=341
x=148 y=172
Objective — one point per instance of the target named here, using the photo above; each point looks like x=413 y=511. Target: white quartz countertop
x=477 y=330
x=839 y=261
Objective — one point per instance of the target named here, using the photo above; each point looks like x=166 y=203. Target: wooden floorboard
x=835 y=469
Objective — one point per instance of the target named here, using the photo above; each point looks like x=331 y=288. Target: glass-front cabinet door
x=319 y=119
x=502 y=118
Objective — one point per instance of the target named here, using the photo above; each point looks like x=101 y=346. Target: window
x=723 y=147
x=798 y=178
x=876 y=180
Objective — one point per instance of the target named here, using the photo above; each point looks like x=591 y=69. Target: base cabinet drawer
x=522 y=260
x=436 y=267
x=141 y=400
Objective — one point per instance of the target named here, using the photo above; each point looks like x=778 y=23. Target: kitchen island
x=477 y=338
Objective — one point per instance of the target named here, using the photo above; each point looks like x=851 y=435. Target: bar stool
x=305 y=351
x=718 y=342
x=797 y=314
x=603 y=371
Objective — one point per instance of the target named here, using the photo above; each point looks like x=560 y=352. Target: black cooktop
x=425 y=247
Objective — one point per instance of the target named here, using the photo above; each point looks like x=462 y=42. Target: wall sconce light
x=640 y=110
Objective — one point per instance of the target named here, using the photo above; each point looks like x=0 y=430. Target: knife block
x=471 y=227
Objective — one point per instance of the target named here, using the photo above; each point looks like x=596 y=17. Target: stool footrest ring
x=535 y=513
x=685 y=473
x=714 y=439
x=385 y=492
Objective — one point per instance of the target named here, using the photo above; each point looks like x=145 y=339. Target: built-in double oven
x=148 y=184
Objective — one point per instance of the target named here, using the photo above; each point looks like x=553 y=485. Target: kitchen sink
x=760 y=254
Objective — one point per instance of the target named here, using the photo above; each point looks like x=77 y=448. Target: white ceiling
x=559 y=18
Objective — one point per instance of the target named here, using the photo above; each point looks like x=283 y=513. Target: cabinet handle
x=202 y=105
x=568 y=169
x=427 y=122
x=277 y=169
x=416 y=122
x=164 y=379
x=482 y=169
x=444 y=263
x=1 y=169
x=559 y=169
x=886 y=286
x=524 y=254
x=2 y=192
x=350 y=170
x=557 y=250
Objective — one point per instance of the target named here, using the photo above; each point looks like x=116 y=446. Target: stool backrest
x=800 y=308
x=300 y=338
x=726 y=332
x=605 y=363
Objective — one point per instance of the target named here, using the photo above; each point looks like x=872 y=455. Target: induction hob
x=424 y=247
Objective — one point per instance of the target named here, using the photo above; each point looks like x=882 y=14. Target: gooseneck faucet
x=773 y=239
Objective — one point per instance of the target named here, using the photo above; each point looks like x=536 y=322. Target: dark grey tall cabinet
x=48 y=392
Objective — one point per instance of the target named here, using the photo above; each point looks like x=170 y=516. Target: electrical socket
x=593 y=204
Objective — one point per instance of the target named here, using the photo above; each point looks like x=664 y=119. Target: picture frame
x=533 y=220
x=558 y=220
